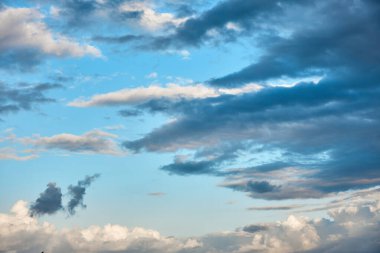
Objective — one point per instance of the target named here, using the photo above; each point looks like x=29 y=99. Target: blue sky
x=170 y=126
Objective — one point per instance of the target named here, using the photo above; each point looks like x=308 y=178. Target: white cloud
x=356 y=220
x=93 y=142
x=185 y=54
x=152 y=75
x=114 y=127
x=21 y=233
x=54 y=11
x=171 y=91
x=23 y=28
x=233 y=26
x=150 y=19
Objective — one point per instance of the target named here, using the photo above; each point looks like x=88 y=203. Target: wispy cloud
x=92 y=142
x=171 y=92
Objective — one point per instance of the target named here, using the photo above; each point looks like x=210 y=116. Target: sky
x=205 y=126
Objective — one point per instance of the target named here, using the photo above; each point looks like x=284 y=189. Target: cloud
x=12 y=154
x=49 y=202
x=143 y=16
x=351 y=227
x=148 y=17
x=156 y=194
x=226 y=18
x=77 y=193
x=254 y=228
x=273 y=208
x=328 y=128
x=207 y=161
x=92 y=142
x=24 y=97
x=130 y=112
x=21 y=233
x=26 y=40
x=152 y=75
x=134 y=96
x=259 y=187
x=118 y=39
x=332 y=43
x=189 y=167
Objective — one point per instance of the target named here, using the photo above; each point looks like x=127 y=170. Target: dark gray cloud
x=307 y=120
x=24 y=60
x=49 y=202
x=24 y=96
x=254 y=228
x=130 y=112
x=81 y=13
x=240 y=12
x=345 y=38
x=272 y=208
x=326 y=130
x=77 y=192
x=201 y=166
x=190 y=167
x=118 y=39
x=258 y=186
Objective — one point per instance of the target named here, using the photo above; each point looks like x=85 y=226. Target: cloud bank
x=352 y=227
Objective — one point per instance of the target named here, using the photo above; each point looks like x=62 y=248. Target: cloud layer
x=322 y=133
x=351 y=227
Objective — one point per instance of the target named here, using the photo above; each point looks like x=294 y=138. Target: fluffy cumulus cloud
x=26 y=40
x=171 y=92
x=92 y=142
x=351 y=227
